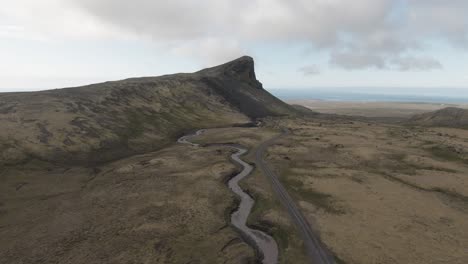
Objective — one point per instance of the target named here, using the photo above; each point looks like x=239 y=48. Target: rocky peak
x=242 y=69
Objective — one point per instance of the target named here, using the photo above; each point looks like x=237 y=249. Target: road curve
x=316 y=250
x=264 y=243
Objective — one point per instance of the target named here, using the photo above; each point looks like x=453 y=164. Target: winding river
x=264 y=243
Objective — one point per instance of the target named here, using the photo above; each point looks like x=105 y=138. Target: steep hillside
x=110 y=120
x=448 y=117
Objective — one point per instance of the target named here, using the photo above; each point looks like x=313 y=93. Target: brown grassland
x=376 y=193
x=169 y=206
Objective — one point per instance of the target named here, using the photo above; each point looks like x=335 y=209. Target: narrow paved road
x=315 y=248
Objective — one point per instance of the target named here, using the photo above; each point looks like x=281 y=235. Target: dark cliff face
x=242 y=69
x=237 y=83
x=105 y=121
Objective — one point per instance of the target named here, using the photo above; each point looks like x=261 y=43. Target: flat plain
x=373 y=109
x=376 y=193
x=380 y=193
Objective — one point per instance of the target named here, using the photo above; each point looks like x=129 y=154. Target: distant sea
x=286 y=94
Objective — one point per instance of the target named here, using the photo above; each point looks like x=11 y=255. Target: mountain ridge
x=105 y=121
x=446 y=117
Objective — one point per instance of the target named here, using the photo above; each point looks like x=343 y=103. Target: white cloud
x=210 y=51
x=416 y=63
x=53 y=19
x=356 y=61
x=438 y=18
x=356 y=34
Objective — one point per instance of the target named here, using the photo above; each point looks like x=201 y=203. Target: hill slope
x=110 y=120
x=448 y=117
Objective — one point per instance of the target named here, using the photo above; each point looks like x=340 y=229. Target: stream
x=264 y=243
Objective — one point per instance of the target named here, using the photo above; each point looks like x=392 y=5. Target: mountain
x=107 y=121
x=448 y=117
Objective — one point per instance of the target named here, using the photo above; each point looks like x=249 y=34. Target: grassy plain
x=376 y=193
x=374 y=109
x=169 y=206
x=379 y=193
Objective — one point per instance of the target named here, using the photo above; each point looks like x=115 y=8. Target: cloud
x=356 y=61
x=415 y=63
x=53 y=19
x=356 y=34
x=318 y=21
x=437 y=18
x=210 y=51
x=310 y=70
x=162 y=20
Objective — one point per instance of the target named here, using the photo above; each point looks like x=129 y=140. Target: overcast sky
x=386 y=45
